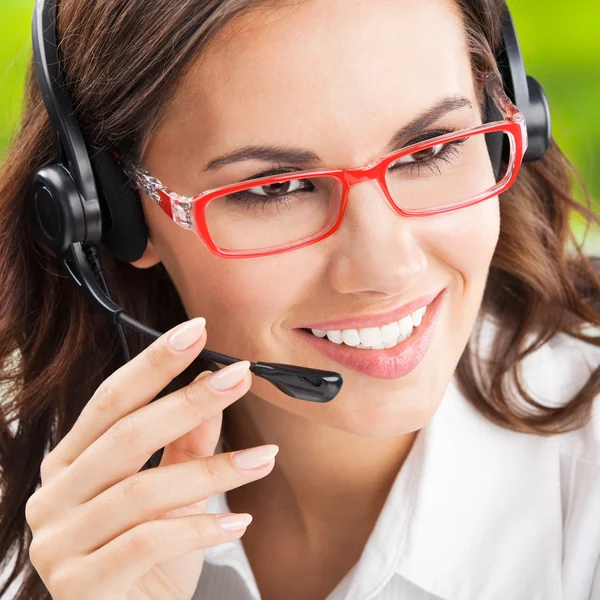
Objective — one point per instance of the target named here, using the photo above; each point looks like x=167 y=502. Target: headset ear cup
x=57 y=208
x=539 y=123
x=124 y=227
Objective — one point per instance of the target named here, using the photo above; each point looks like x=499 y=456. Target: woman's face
x=337 y=78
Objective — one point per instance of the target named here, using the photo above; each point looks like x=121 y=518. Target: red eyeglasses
x=279 y=213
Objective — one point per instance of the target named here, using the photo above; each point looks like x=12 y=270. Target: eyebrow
x=298 y=155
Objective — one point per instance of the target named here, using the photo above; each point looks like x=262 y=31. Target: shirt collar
x=483 y=506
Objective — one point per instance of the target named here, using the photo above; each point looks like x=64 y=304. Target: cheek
x=464 y=241
x=245 y=301
x=464 y=244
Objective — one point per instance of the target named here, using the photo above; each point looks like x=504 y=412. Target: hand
x=104 y=531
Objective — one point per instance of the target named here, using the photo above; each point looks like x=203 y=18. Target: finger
x=197 y=443
x=147 y=495
x=125 y=559
x=125 y=447
x=130 y=387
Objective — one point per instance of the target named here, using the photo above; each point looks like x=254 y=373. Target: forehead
x=319 y=72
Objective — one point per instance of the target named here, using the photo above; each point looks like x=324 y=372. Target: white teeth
x=335 y=336
x=370 y=336
x=390 y=333
x=376 y=338
x=417 y=316
x=405 y=324
x=351 y=337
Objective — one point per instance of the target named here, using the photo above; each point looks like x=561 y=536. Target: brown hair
x=123 y=60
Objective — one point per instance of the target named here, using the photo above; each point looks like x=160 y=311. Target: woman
x=461 y=457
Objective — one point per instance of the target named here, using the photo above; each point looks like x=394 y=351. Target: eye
x=276 y=189
x=421 y=155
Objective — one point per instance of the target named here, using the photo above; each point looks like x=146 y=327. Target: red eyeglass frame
x=189 y=213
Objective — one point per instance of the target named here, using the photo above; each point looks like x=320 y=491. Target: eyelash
x=450 y=150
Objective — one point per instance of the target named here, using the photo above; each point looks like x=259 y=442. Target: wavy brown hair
x=123 y=60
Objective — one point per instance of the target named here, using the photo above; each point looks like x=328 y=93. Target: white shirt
x=476 y=512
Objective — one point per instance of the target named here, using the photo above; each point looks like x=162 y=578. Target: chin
x=392 y=414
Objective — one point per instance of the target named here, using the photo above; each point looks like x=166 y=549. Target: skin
x=337 y=77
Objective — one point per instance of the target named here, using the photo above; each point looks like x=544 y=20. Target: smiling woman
x=335 y=184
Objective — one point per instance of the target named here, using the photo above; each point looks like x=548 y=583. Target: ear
x=148 y=259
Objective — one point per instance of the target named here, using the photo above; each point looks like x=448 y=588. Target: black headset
x=85 y=198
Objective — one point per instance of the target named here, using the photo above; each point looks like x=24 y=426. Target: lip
x=389 y=363
x=376 y=320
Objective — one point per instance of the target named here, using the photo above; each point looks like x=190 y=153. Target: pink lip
x=390 y=363
x=377 y=320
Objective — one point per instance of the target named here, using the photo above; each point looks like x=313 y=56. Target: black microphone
x=303 y=383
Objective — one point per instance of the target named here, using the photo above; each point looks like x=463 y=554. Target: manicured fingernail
x=202 y=375
x=234 y=521
x=229 y=376
x=188 y=333
x=255 y=457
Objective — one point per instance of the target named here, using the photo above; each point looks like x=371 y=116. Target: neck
x=317 y=471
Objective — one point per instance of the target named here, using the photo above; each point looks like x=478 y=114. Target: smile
x=386 y=352
x=375 y=338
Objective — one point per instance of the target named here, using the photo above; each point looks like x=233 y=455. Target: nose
x=377 y=251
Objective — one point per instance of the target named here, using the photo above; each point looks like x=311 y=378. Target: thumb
x=197 y=443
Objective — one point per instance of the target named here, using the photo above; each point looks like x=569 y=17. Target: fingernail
x=188 y=333
x=202 y=375
x=229 y=376
x=232 y=521
x=255 y=457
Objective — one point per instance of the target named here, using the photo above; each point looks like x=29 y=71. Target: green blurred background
x=560 y=42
